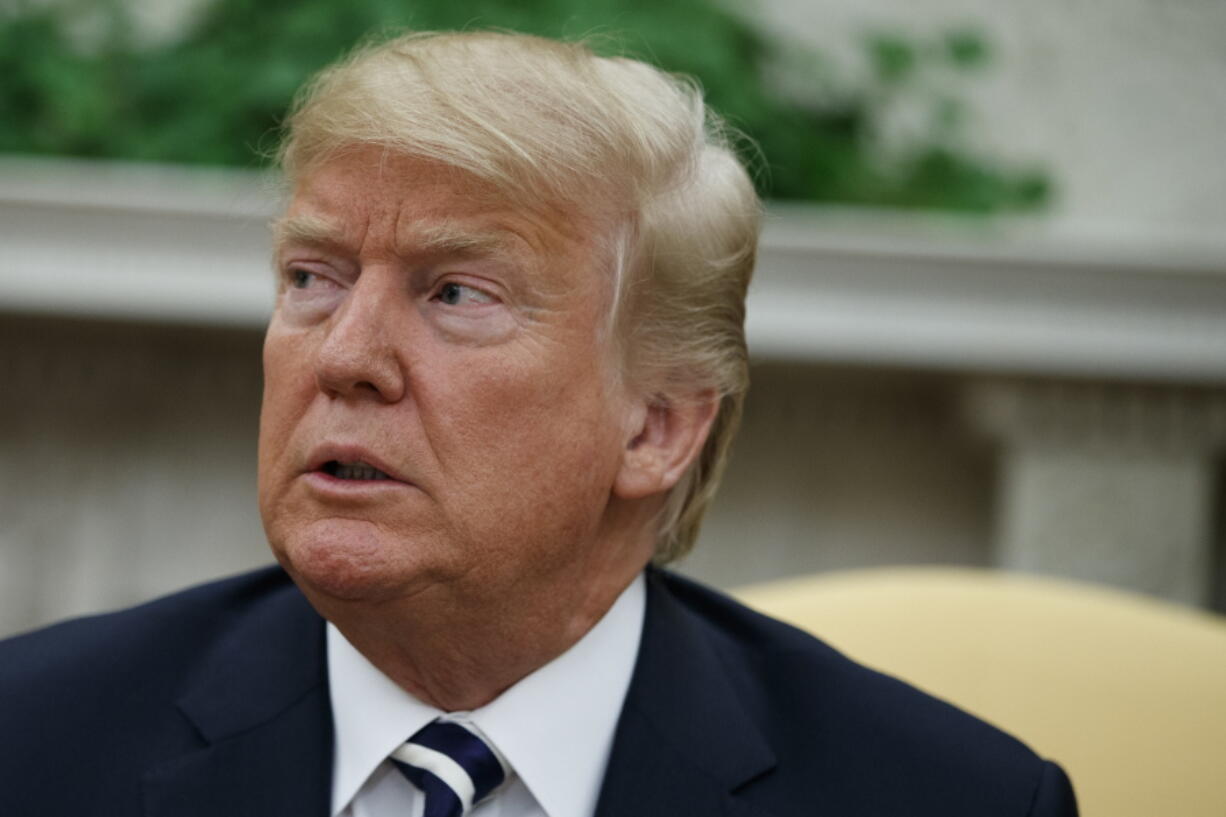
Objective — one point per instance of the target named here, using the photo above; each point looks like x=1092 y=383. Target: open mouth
x=352 y=470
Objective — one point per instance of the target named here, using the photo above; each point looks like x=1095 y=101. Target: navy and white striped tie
x=452 y=767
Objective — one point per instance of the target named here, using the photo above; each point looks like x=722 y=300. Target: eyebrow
x=431 y=238
x=304 y=230
x=444 y=237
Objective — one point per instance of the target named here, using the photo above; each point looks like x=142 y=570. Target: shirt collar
x=554 y=727
x=371 y=716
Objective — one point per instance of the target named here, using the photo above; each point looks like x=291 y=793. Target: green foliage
x=894 y=58
x=965 y=48
x=215 y=95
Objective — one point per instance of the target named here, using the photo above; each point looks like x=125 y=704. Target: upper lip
x=349 y=454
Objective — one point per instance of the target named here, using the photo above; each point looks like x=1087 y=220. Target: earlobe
x=667 y=437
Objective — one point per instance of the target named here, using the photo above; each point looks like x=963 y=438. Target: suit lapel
x=260 y=704
x=684 y=743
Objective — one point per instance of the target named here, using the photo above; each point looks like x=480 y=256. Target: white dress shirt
x=554 y=728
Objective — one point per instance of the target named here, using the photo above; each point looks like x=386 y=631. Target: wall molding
x=183 y=245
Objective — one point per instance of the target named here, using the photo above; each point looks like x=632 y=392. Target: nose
x=358 y=356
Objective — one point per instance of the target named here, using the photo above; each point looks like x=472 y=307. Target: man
x=503 y=371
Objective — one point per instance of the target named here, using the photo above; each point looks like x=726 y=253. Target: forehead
x=422 y=207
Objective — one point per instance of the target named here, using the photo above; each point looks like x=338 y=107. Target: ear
x=667 y=435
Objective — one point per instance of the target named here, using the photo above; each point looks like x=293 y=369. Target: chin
x=341 y=560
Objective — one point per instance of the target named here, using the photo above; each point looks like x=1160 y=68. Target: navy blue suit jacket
x=214 y=701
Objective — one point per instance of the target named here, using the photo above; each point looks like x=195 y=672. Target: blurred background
x=987 y=326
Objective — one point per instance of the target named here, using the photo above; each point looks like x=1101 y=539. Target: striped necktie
x=452 y=767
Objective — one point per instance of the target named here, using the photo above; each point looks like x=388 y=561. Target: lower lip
x=326 y=484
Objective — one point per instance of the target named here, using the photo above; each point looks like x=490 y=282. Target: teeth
x=357 y=470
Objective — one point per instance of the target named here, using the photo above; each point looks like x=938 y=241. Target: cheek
x=541 y=404
x=531 y=440
x=287 y=383
x=289 y=377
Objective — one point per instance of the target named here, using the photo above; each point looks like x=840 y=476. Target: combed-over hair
x=552 y=123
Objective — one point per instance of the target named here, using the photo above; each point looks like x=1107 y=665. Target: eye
x=454 y=294
x=300 y=278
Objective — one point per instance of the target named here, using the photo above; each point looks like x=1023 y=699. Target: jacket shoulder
x=163 y=632
x=878 y=744
x=128 y=692
x=118 y=668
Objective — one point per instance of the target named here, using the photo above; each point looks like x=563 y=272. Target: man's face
x=440 y=403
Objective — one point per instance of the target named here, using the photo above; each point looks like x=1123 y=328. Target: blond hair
x=550 y=122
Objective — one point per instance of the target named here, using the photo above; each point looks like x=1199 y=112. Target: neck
x=459 y=646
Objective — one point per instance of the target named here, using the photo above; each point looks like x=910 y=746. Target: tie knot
x=453 y=767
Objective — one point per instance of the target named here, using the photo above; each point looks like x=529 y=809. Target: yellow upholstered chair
x=1127 y=693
